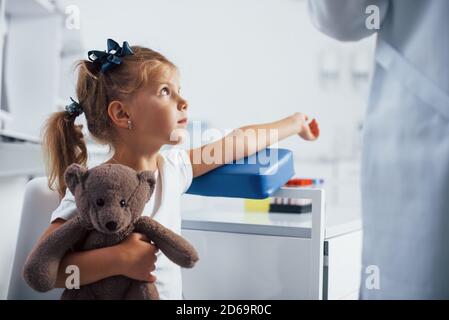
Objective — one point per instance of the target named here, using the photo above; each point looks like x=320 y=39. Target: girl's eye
x=165 y=91
x=100 y=202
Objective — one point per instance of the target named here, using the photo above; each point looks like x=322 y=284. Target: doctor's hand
x=137 y=257
x=308 y=130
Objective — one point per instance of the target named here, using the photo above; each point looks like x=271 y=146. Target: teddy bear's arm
x=175 y=247
x=42 y=265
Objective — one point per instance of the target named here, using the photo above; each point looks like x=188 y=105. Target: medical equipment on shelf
x=294 y=205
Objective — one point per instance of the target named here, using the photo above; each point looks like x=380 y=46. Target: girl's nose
x=183 y=105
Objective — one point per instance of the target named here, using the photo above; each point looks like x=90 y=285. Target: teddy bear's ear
x=148 y=177
x=74 y=175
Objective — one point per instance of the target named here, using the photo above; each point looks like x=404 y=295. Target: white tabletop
x=338 y=220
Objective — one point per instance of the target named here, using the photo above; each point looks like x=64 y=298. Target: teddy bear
x=110 y=199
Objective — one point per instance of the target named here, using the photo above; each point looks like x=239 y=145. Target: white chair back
x=39 y=203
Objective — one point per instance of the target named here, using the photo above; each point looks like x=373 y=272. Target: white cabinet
x=251 y=266
x=31 y=64
x=273 y=256
x=247 y=266
x=343 y=266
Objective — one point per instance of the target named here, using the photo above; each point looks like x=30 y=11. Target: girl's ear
x=148 y=177
x=118 y=114
x=74 y=175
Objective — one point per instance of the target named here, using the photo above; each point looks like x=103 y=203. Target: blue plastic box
x=255 y=177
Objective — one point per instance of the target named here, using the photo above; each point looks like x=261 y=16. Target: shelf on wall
x=4 y=116
x=29 y=7
x=11 y=136
x=18 y=159
x=20 y=156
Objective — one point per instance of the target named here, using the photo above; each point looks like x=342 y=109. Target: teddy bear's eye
x=122 y=203
x=100 y=202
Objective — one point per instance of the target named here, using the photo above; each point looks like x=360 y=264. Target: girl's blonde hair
x=63 y=141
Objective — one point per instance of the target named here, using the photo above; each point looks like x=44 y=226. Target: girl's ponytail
x=63 y=144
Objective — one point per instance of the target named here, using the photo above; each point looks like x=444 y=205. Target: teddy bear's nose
x=111 y=225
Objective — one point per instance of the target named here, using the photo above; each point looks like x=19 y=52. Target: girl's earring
x=129 y=124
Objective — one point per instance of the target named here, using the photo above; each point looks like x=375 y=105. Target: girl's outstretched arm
x=248 y=140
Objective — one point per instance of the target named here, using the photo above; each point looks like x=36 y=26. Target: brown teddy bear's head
x=109 y=197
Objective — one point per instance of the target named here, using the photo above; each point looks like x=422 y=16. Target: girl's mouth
x=183 y=121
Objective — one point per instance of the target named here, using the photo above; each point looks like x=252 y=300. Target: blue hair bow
x=74 y=109
x=111 y=58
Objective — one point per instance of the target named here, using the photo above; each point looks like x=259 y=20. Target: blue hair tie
x=106 y=60
x=74 y=109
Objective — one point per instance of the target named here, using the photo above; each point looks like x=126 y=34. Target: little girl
x=131 y=100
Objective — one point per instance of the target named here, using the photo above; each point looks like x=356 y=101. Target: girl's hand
x=137 y=257
x=307 y=130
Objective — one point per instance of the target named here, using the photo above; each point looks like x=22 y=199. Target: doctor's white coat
x=405 y=163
